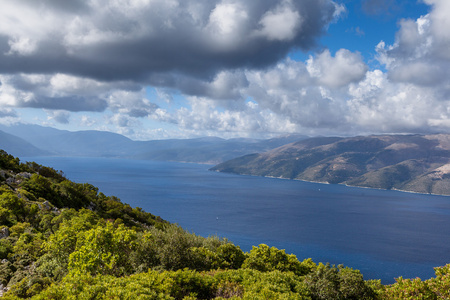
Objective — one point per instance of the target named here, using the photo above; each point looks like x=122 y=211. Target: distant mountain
x=211 y=150
x=67 y=143
x=417 y=163
x=20 y=147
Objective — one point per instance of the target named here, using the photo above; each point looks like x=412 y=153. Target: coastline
x=344 y=184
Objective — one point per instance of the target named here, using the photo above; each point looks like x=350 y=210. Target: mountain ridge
x=414 y=163
x=14 y=144
x=92 y=143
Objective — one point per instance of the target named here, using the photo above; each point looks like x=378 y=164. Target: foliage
x=329 y=282
x=433 y=288
x=263 y=258
x=61 y=239
x=103 y=250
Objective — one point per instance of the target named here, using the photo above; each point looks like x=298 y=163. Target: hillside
x=65 y=240
x=208 y=150
x=92 y=143
x=416 y=163
x=20 y=147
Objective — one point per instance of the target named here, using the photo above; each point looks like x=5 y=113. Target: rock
x=25 y=175
x=91 y=206
x=4 y=232
x=46 y=205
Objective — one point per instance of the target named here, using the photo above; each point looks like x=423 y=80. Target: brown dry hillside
x=417 y=163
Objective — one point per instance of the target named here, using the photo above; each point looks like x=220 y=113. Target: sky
x=157 y=69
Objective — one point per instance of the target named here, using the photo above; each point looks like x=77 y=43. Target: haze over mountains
x=417 y=163
x=13 y=144
x=33 y=140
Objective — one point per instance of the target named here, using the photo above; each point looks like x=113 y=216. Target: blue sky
x=229 y=68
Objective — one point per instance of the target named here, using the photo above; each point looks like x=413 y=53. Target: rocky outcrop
x=4 y=232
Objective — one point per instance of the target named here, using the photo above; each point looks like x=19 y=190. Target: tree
x=104 y=250
x=265 y=259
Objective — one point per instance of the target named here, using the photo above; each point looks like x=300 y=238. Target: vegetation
x=65 y=240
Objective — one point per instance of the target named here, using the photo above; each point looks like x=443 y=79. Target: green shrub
x=264 y=259
x=328 y=282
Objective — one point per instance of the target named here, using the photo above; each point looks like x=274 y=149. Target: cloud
x=344 y=68
x=288 y=97
x=420 y=54
x=133 y=104
x=43 y=91
x=413 y=95
x=419 y=73
x=99 y=55
x=59 y=116
x=290 y=90
x=73 y=94
x=332 y=94
x=281 y=23
x=7 y=112
x=131 y=40
x=204 y=119
x=226 y=59
x=381 y=105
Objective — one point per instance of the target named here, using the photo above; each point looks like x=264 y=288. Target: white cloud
x=22 y=46
x=413 y=95
x=223 y=58
x=280 y=24
x=130 y=103
x=420 y=73
x=439 y=23
x=87 y=121
x=227 y=19
x=59 y=116
x=346 y=67
x=204 y=117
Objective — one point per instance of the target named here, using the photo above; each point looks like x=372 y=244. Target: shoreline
x=343 y=184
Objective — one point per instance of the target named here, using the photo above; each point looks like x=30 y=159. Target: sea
x=384 y=234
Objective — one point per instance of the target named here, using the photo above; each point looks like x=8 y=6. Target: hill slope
x=20 y=147
x=94 y=143
x=208 y=150
x=417 y=163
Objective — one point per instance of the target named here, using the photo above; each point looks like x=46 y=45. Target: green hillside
x=66 y=240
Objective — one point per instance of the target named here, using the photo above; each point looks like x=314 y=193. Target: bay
x=385 y=234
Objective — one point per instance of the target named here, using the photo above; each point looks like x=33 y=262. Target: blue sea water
x=385 y=234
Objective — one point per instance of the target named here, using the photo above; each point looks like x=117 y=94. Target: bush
x=328 y=282
x=264 y=259
x=104 y=250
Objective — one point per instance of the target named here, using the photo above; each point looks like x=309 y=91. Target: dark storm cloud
x=72 y=103
x=112 y=40
x=58 y=5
